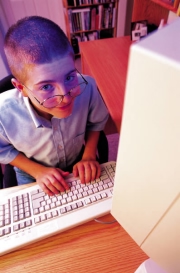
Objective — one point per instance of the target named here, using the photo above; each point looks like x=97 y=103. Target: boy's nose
x=61 y=90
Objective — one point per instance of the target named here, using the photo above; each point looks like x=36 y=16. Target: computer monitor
x=146 y=196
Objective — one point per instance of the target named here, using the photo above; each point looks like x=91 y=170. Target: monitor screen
x=146 y=196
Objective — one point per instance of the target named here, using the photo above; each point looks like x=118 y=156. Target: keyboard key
x=47 y=207
x=58 y=203
x=37 y=220
x=98 y=197
x=74 y=206
x=93 y=199
x=43 y=217
x=28 y=223
x=54 y=199
x=16 y=227
x=49 y=201
x=49 y=215
x=2 y=232
x=7 y=230
x=37 y=202
x=79 y=195
x=27 y=214
x=2 y=223
x=87 y=201
x=38 y=195
x=63 y=201
x=103 y=195
x=74 y=198
x=55 y=213
x=16 y=218
x=80 y=204
x=95 y=190
x=41 y=209
x=21 y=216
x=53 y=205
x=7 y=221
x=63 y=210
x=85 y=194
x=69 y=199
x=68 y=208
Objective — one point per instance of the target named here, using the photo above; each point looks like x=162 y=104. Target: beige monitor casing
x=146 y=196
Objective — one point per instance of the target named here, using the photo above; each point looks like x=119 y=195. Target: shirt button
x=60 y=147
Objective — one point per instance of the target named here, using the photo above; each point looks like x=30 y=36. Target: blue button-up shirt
x=52 y=143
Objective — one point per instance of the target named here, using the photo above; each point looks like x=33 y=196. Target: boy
x=52 y=110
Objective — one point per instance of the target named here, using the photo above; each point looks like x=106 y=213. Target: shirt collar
x=35 y=117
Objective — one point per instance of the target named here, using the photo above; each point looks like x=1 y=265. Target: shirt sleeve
x=7 y=151
x=98 y=113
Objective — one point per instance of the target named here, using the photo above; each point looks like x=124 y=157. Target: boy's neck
x=41 y=113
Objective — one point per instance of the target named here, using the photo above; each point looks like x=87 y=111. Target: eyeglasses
x=56 y=100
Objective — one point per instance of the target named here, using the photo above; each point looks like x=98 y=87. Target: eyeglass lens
x=57 y=99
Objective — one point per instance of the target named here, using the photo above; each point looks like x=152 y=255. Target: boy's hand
x=87 y=170
x=51 y=180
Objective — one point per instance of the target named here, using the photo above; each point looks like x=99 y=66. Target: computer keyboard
x=29 y=215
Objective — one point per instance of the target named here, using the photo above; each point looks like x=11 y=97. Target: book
x=87 y=20
x=84 y=37
x=81 y=19
x=100 y=11
x=114 y=17
x=110 y=10
x=91 y=37
x=105 y=18
x=70 y=20
x=97 y=20
x=93 y=18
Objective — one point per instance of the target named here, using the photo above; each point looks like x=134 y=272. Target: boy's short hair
x=34 y=40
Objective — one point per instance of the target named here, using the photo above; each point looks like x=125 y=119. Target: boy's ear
x=19 y=86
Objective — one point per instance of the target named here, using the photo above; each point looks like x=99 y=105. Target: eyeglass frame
x=62 y=96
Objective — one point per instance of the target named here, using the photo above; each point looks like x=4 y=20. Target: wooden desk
x=91 y=248
x=106 y=60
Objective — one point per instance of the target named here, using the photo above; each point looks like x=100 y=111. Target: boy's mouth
x=64 y=107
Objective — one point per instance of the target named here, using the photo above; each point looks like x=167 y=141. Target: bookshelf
x=90 y=20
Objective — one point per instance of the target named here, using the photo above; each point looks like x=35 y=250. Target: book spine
x=100 y=10
x=114 y=17
x=93 y=18
x=110 y=10
x=70 y=20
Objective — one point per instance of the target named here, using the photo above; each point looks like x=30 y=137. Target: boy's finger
x=48 y=188
x=75 y=171
x=88 y=172
x=63 y=173
x=58 y=181
x=94 y=171
x=81 y=172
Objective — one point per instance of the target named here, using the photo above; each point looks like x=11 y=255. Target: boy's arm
x=88 y=168
x=51 y=180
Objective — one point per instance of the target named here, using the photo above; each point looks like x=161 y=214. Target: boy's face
x=49 y=79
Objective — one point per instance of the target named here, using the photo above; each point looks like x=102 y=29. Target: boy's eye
x=70 y=78
x=47 y=87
